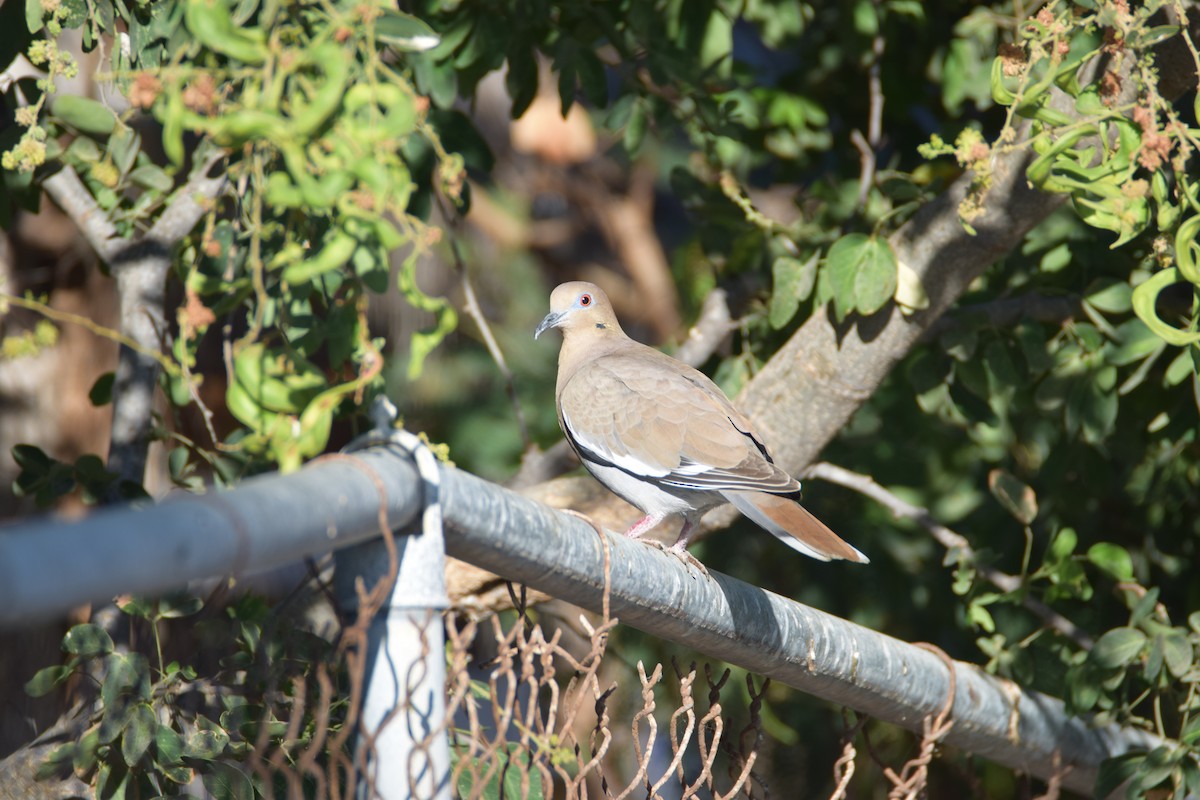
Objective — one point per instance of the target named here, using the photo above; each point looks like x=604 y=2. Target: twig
x=474 y=310
x=866 y=485
x=711 y=328
x=875 y=85
x=88 y=323
x=866 y=146
x=866 y=172
x=538 y=467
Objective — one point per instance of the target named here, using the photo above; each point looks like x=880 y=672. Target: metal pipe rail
x=49 y=567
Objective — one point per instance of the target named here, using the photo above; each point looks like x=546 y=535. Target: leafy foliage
x=1050 y=417
x=160 y=724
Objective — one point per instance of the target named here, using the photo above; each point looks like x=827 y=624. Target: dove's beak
x=551 y=320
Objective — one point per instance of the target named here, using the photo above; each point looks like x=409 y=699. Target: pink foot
x=685 y=535
x=642 y=525
x=679 y=549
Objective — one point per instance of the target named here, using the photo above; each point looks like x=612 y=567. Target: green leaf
x=405 y=32
x=93 y=477
x=592 y=78
x=179 y=604
x=1091 y=411
x=168 y=745
x=877 y=276
x=46 y=679
x=150 y=176
x=1084 y=687
x=1191 y=732
x=1003 y=377
x=1116 y=771
x=1034 y=347
x=1160 y=763
x=137 y=606
x=1110 y=296
x=87 y=753
x=635 y=129
x=866 y=19
x=1015 y=495
x=1153 y=664
x=1177 y=652
x=33 y=15
x=58 y=763
x=126 y=683
x=1063 y=546
x=124 y=146
x=793 y=282
x=84 y=150
x=83 y=113
x=977 y=614
x=101 y=391
x=1056 y=258
x=139 y=733
x=87 y=641
x=716 y=49
x=1180 y=369
x=1118 y=648
x=1134 y=342
x=1113 y=559
x=227 y=782
x=521 y=79
x=1143 y=605
x=31 y=458
x=505 y=782
x=207 y=742
x=863 y=273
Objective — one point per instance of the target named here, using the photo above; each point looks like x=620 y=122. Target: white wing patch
x=625 y=461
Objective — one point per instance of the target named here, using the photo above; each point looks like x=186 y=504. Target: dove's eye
x=585 y=300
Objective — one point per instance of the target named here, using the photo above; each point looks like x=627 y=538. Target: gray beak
x=551 y=320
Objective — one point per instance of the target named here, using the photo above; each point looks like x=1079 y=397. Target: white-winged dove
x=663 y=436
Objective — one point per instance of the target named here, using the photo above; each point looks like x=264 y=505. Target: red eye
x=585 y=300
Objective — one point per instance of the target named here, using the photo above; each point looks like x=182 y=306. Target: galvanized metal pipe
x=770 y=635
x=49 y=566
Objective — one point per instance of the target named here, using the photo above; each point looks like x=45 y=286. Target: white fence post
x=402 y=736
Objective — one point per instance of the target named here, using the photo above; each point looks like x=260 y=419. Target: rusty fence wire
x=538 y=707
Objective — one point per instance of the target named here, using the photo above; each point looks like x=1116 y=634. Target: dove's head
x=579 y=306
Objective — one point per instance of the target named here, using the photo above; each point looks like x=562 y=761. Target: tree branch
x=712 y=327
x=826 y=371
x=191 y=201
x=140 y=266
x=866 y=485
x=66 y=189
